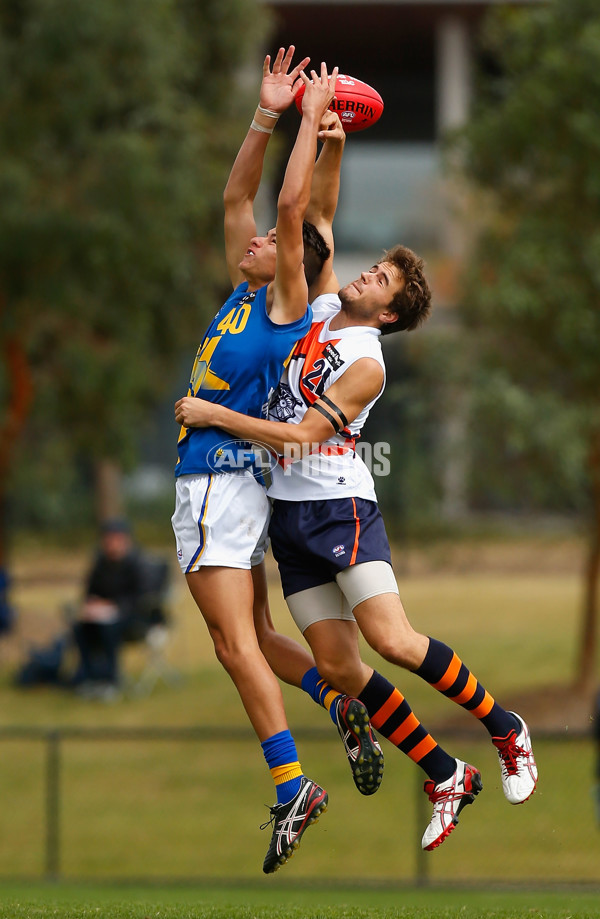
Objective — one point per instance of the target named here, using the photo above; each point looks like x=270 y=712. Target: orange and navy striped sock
x=282 y=759
x=393 y=717
x=445 y=671
x=319 y=690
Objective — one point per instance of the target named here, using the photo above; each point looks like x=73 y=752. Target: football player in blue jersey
x=329 y=540
x=221 y=508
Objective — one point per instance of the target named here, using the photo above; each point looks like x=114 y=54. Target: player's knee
x=229 y=653
x=341 y=674
x=403 y=653
x=222 y=654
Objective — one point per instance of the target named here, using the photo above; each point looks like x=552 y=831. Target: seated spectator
x=125 y=600
x=109 y=610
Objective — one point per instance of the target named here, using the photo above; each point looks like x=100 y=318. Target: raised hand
x=278 y=89
x=318 y=92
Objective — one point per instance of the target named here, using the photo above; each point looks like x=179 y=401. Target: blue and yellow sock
x=282 y=759
x=319 y=690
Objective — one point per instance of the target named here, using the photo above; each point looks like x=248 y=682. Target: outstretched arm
x=277 y=92
x=358 y=386
x=288 y=295
x=324 y=196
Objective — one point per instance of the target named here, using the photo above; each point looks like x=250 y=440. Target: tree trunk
x=586 y=677
x=108 y=489
x=20 y=395
x=455 y=450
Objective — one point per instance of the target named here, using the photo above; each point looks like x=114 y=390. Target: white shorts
x=337 y=599
x=220 y=520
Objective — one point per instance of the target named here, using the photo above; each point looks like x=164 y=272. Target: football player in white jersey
x=329 y=539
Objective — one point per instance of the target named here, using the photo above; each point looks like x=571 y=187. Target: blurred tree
x=118 y=125
x=533 y=284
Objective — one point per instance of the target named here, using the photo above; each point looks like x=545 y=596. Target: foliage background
x=118 y=124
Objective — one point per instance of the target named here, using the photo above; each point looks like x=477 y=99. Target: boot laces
x=443 y=794
x=273 y=811
x=510 y=753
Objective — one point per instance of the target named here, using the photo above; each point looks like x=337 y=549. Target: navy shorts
x=312 y=541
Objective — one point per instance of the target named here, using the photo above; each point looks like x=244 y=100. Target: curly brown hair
x=413 y=303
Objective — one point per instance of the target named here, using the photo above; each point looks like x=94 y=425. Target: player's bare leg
x=384 y=624
x=287 y=658
x=231 y=627
x=292 y=662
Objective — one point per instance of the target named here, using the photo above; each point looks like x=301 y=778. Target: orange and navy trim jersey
x=333 y=469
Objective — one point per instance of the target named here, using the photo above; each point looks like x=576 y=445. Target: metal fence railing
x=176 y=804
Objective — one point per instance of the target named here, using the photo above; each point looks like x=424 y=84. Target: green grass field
x=179 y=811
x=81 y=902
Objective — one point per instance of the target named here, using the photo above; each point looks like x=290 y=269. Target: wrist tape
x=264 y=120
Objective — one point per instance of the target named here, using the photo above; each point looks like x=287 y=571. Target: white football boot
x=448 y=799
x=519 y=771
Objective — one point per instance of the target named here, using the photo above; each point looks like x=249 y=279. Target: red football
x=358 y=104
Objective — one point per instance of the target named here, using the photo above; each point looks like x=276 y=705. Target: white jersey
x=332 y=469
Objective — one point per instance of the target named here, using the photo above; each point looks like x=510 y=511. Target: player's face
x=372 y=293
x=258 y=263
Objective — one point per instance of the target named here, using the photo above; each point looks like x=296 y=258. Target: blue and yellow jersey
x=238 y=363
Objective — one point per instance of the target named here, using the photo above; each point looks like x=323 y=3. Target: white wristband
x=268 y=112
x=264 y=120
x=258 y=127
